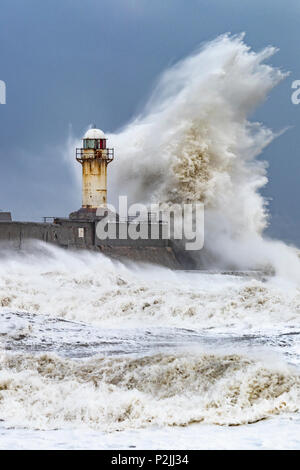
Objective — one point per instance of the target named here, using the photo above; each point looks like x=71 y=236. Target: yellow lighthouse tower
x=94 y=158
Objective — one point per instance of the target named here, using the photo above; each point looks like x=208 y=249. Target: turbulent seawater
x=90 y=347
x=104 y=354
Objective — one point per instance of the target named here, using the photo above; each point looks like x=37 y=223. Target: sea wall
x=72 y=234
x=15 y=233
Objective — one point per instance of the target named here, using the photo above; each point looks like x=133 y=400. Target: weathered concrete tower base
x=84 y=214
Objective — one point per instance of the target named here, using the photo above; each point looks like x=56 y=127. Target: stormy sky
x=69 y=63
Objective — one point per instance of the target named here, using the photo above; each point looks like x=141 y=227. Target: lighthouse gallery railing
x=103 y=154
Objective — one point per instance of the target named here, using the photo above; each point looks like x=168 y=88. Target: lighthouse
x=94 y=157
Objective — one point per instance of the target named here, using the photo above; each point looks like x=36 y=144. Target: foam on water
x=120 y=393
x=91 y=288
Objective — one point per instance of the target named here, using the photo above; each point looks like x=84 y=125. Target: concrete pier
x=72 y=234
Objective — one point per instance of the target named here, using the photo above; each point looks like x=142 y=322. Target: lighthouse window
x=100 y=143
x=94 y=143
x=89 y=143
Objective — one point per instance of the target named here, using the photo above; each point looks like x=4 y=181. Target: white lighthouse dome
x=94 y=134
